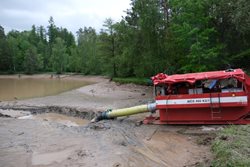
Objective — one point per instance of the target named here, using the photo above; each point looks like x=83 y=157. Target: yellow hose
x=109 y=114
x=127 y=111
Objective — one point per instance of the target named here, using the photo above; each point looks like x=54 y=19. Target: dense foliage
x=171 y=36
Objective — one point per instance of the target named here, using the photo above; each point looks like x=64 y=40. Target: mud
x=41 y=138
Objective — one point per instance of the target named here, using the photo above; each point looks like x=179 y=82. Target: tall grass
x=232 y=147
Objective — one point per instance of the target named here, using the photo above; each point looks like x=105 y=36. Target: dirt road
x=110 y=143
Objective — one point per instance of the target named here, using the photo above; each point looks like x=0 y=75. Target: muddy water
x=58 y=118
x=23 y=88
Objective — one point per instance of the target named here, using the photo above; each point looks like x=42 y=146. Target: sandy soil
x=119 y=143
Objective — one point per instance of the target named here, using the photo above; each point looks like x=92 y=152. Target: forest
x=170 y=36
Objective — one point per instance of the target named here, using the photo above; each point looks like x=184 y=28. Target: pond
x=23 y=88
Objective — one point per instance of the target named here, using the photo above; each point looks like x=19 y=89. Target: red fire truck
x=217 y=97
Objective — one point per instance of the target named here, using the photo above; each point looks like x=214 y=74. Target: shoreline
x=100 y=94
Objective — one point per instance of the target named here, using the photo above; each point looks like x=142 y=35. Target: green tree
x=14 y=51
x=146 y=29
x=42 y=49
x=87 y=50
x=232 y=21
x=33 y=36
x=108 y=48
x=123 y=49
x=52 y=35
x=5 y=57
x=25 y=51
x=194 y=35
x=74 y=60
x=31 y=61
x=59 y=56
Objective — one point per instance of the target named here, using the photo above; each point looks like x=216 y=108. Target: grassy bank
x=138 y=81
x=232 y=147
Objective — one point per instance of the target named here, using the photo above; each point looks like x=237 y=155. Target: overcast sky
x=71 y=14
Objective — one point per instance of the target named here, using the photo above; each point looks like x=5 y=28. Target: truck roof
x=191 y=78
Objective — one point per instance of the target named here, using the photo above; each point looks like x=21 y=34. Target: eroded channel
x=58 y=118
x=66 y=116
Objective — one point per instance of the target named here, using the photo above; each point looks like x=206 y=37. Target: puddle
x=58 y=118
x=62 y=119
x=23 y=88
x=26 y=117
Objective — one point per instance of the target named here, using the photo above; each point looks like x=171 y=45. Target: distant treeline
x=171 y=36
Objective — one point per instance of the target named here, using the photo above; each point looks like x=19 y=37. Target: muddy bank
x=121 y=142
x=95 y=97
